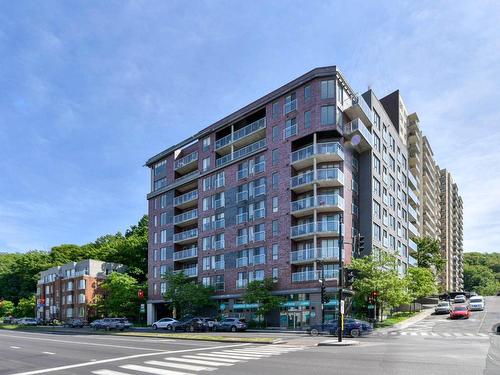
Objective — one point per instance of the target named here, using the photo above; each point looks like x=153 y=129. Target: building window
x=376 y=142
x=327 y=89
x=242 y=170
x=290 y=128
x=275 y=227
x=290 y=103
x=376 y=187
x=275 y=204
x=160 y=183
x=163 y=288
x=163 y=236
x=163 y=201
x=163 y=218
x=376 y=210
x=160 y=167
x=376 y=164
x=276 y=110
x=275 y=273
x=376 y=119
x=328 y=115
x=206 y=164
x=275 y=180
x=276 y=156
x=206 y=144
x=307 y=92
x=207 y=183
x=276 y=133
x=163 y=253
x=340 y=93
x=155 y=255
x=376 y=232
x=275 y=251
x=307 y=119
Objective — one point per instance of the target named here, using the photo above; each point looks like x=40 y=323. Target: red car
x=459 y=311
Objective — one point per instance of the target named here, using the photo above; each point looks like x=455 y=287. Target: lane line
x=15 y=347
x=153 y=370
x=110 y=360
x=180 y=366
x=482 y=320
x=49 y=353
x=200 y=361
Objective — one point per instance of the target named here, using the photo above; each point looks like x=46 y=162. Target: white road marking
x=457 y=334
x=243 y=354
x=226 y=356
x=15 y=347
x=482 y=321
x=252 y=352
x=482 y=334
x=109 y=372
x=203 y=357
x=181 y=366
x=446 y=334
x=423 y=333
x=468 y=334
x=413 y=333
x=393 y=333
x=434 y=334
x=404 y=333
x=153 y=370
x=200 y=361
x=92 y=363
x=49 y=353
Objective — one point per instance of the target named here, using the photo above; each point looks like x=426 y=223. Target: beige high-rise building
x=451 y=232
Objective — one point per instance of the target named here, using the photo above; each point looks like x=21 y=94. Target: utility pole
x=323 y=293
x=341 y=281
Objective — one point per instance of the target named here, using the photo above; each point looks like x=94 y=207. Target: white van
x=476 y=303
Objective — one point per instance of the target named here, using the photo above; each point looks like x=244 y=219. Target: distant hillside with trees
x=482 y=273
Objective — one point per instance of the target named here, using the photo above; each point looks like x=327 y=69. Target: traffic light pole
x=341 y=281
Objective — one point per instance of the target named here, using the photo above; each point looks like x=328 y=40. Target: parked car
x=352 y=327
x=231 y=324
x=75 y=323
x=27 y=322
x=108 y=324
x=189 y=325
x=96 y=323
x=460 y=299
x=459 y=311
x=210 y=323
x=443 y=307
x=9 y=320
x=164 y=323
x=476 y=303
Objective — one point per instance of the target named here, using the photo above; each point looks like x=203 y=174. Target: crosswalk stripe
x=457 y=334
x=482 y=334
x=109 y=372
x=202 y=357
x=200 y=361
x=446 y=334
x=434 y=334
x=424 y=333
x=153 y=370
x=181 y=366
x=413 y=333
x=393 y=333
x=253 y=352
x=404 y=333
x=223 y=355
x=468 y=334
x=243 y=354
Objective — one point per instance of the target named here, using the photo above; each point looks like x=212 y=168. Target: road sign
x=342 y=307
x=143 y=308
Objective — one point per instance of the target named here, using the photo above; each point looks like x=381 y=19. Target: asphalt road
x=434 y=345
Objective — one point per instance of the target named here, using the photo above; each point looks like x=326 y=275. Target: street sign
x=342 y=307
x=143 y=308
x=371 y=306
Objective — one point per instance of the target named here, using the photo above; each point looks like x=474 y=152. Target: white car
x=165 y=323
x=460 y=298
x=476 y=303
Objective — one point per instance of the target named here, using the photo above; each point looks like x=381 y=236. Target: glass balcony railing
x=186 y=235
x=412 y=245
x=314 y=227
x=413 y=179
x=412 y=261
x=290 y=106
x=413 y=196
x=188 y=159
x=242 y=240
x=330 y=148
x=303 y=255
x=259 y=259
x=186 y=216
x=189 y=271
x=184 y=198
x=242 y=218
x=241 y=133
x=259 y=236
x=241 y=152
x=357 y=125
x=326 y=200
x=186 y=253
x=322 y=175
x=242 y=262
x=314 y=275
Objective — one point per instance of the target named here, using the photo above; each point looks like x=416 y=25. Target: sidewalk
x=408 y=322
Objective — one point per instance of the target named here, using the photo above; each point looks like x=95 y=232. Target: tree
x=480 y=279
x=120 y=295
x=6 y=308
x=186 y=297
x=379 y=273
x=428 y=254
x=259 y=292
x=25 y=307
x=421 y=282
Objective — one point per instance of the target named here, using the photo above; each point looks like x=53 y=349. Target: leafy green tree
x=421 y=282
x=428 y=254
x=260 y=292
x=187 y=297
x=379 y=273
x=25 y=307
x=6 y=308
x=120 y=295
x=480 y=279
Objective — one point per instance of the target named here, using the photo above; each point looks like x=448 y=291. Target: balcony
x=186 y=254
x=188 y=271
x=186 y=218
x=413 y=214
x=412 y=261
x=187 y=163
x=186 y=236
x=186 y=200
x=310 y=255
x=359 y=109
x=412 y=245
x=322 y=203
x=249 y=133
x=242 y=152
x=360 y=137
x=252 y=260
x=322 y=177
x=413 y=231
x=413 y=198
x=314 y=275
x=323 y=152
x=319 y=228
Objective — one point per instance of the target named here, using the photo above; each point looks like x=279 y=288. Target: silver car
x=165 y=323
x=442 y=308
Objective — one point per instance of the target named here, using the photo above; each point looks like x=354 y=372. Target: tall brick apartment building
x=262 y=193
x=64 y=292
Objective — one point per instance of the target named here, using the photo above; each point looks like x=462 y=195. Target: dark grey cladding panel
x=230 y=196
x=231 y=208
x=230 y=259
x=170 y=252
x=170 y=206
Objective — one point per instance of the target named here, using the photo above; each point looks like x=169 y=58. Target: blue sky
x=90 y=89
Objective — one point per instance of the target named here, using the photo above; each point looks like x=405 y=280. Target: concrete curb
x=335 y=342
x=408 y=322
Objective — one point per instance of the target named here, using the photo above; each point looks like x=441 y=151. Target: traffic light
x=361 y=244
x=350 y=277
x=324 y=298
x=140 y=294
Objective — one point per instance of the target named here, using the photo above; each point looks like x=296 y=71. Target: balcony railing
x=252 y=260
x=241 y=152
x=186 y=253
x=413 y=196
x=189 y=271
x=259 y=236
x=314 y=275
x=413 y=229
x=241 y=133
x=315 y=254
x=187 y=197
x=290 y=106
x=242 y=218
x=412 y=261
x=242 y=262
x=186 y=235
x=327 y=200
x=357 y=125
x=186 y=216
x=242 y=240
x=241 y=283
x=330 y=148
x=322 y=175
x=188 y=159
x=314 y=227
